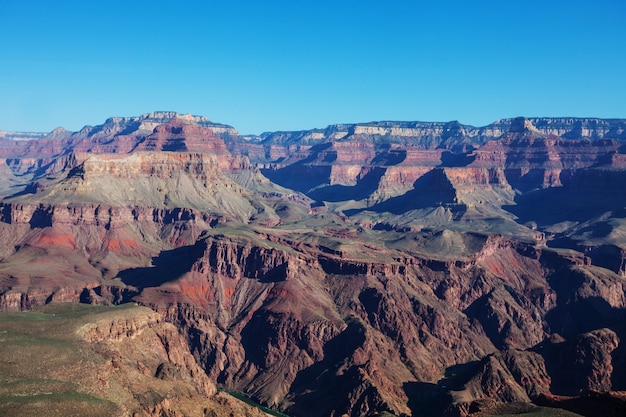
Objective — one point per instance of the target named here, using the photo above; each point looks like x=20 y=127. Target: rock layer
x=390 y=266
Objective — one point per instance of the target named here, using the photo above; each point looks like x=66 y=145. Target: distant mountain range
x=406 y=132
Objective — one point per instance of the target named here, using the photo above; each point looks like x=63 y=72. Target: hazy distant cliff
x=438 y=133
x=123 y=134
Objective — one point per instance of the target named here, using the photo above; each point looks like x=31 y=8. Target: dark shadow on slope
x=598 y=230
x=30 y=188
x=575 y=365
x=167 y=266
x=576 y=313
x=432 y=189
x=5 y=213
x=482 y=310
x=299 y=177
x=605 y=160
x=363 y=188
x=259 y=334
x=175 y=145
x=426 y=399
x=606 y=256
x=572 y=319
x=576 y=359
x=42 y=217
x=130 y=128
x=587 y=194
x=389 y=157
x=555 y=205
x=591 y=404
x=432 y=400
x=302 y=176
x=619 y=359
x=34 y=186
x=324 y=387
x=450 y=159
x=525 y=182
x=35 y=172
x=315 y=150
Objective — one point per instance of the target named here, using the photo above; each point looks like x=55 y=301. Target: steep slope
x=161 y=180
x=113 y=213
x=292 y=322
x=95 y=361
x=410 y=268
x=273 y=147
x=115 y=135
x=35 y=157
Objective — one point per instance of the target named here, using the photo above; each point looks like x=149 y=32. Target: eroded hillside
x=413 y=268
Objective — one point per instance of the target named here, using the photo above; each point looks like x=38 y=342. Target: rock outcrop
x=115 y=361
x=358 y=269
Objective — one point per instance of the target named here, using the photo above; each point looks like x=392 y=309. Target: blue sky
x=292 y=65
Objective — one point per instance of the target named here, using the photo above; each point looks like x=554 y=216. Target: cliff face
x=392 y=266
x=176 y=135
x=196 y=181
x=432 y=135
x=363 y=175
x=292 y=323
x=95 y=361
x=115 y=135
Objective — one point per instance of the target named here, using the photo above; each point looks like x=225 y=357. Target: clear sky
x=263 y=65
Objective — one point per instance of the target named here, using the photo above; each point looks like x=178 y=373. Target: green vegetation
x=48 y=368
x=39 y=353
x=529 y=410
x=247 y=400
x=50 y=403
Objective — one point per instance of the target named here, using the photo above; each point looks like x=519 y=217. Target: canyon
x=383 y=268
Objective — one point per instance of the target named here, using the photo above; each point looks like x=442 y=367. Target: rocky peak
x=147 y=122
x=181 y=135
x=167 y=115
x=161 y=117
x=176 y=126
x=157 y=117
x=58 y=131
x=521 y=125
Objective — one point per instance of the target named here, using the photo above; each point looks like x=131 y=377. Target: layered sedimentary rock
x=392 y=266
x=94 y=361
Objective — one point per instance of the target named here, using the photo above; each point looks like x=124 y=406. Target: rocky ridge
x=396 y=267
x=104 y=361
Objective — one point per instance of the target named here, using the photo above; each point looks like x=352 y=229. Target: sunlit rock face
x=355 y=269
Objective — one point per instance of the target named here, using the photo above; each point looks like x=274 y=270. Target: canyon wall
x=388 y=266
